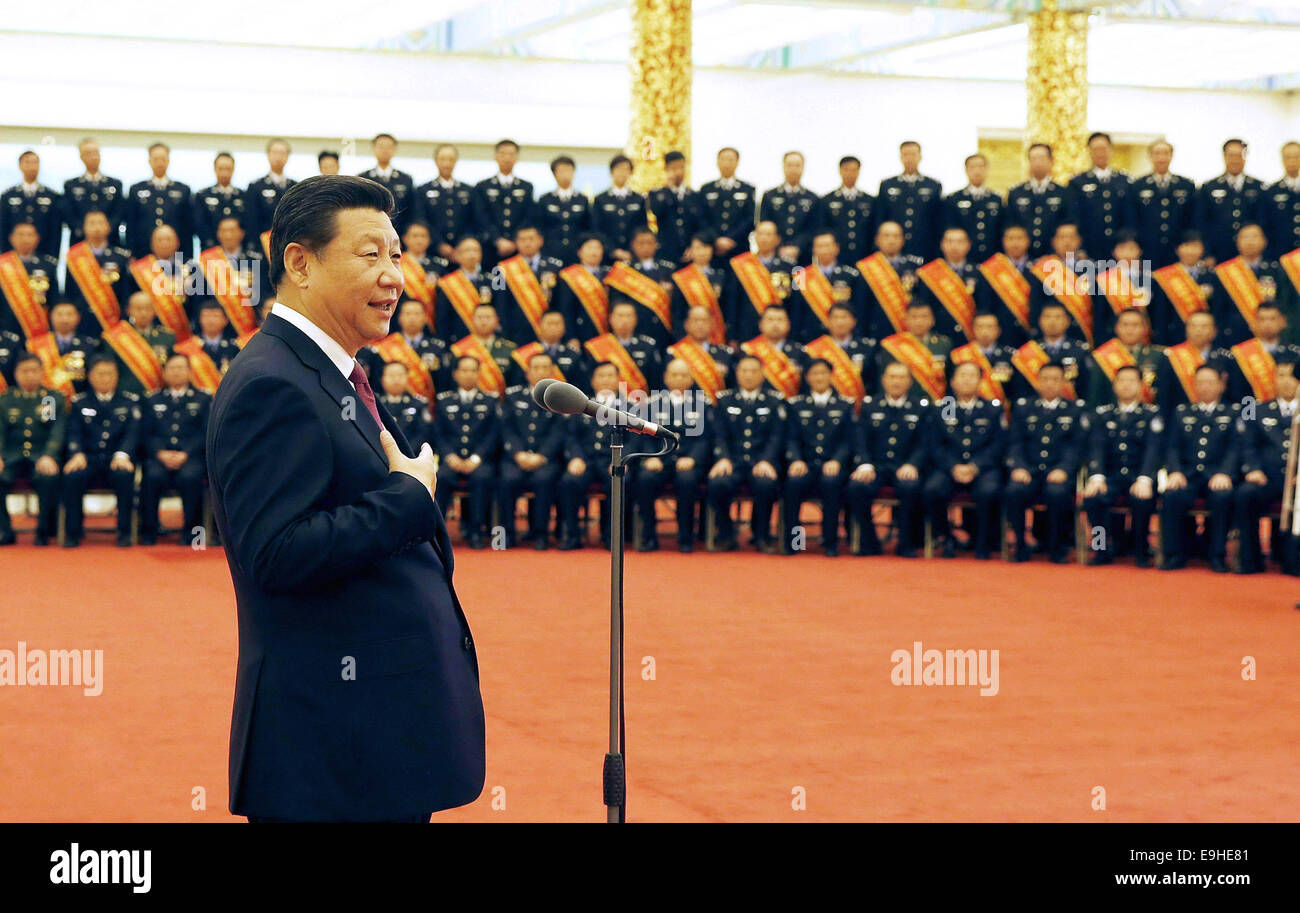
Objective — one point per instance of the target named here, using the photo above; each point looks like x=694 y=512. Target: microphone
x=541 y=389
x=569 y=400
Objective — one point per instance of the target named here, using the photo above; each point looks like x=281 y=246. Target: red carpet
x=771 y=673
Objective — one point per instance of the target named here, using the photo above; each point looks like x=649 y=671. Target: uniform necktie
x=358 y=378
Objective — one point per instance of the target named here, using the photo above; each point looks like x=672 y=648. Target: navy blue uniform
x=1233 y=327
x=149 y=205
x=1045 y=437
x=747 y=431
x=43 y=207
x=528 y=428
x=917 y=205
x=851 y=217
x=1162 y=211
x=691 y=416
x=678 y=216
x=406 y=206
x=467 y=426
x=450 y=325
x=263 y=196
x=795 y=211
x=173 y=422
x=447 y=210
x=211 y=205
x=847 y=287
x=1038 y=212
x=1169 y=389
x=1265 y=446
x=979 y=213
x=75 y=353
x=100 y=429
x=1167 y=328
x=115 y=263
x=1199 y=443
x=738 y=309
x=563 y=220
x=1101 y=207
x=83 y=195
x=945 y=324
x=729 y=211
x=514 y=322
x=43 y=275
x=1076 y=357
x=1124 y=445
x=888 y=436
x=410 y=412
x=588 y=440
x=1221 y=210
x=499 y=211
x=817 y=434
x=959 y=434
x=1279 y=216
x=614 y=216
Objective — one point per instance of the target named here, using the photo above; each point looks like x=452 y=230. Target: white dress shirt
x=333 y=351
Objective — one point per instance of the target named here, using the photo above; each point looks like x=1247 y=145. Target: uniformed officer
x=623 y=323
x=1040 y=204
x=33 y=426
x=1124 y=454
x=158 y=201
x=467 y=430
x=889 y=241
x=1075 y=269
x=75 y=349
x=586 y=460
x=679 y=211
x=794 y=209
x=1174 y=380
x=849 y=212
x=42 y=271
x=774 y=329
x=514 y=321
x=889 y=453
x=485 y=326
x=977 y=210
x=1016 y=322
x=532 y=452
x=1270 y=333
x=739 y=309
x=327 y=162
x=645 y=260
x=619 y=211
x=446 y=204
x=1164 y=206
x=416 y=249
x=955 y=249
x=434 y=353
x=114 y=263
x=563 y=214
x=174 y=422
x=1280 y=205
x=1265 y=446
x=1073 y=354
x=410 y=411
x=1202 y=460
x=140 y=313
x=1167 y=326
x=699 y=325
x=1101 y=198
x=264 y=194
x=818 y=447
x=1120 y=283
x=699 y=254
x=398 y=182
x=220 y=201
x=502 y=203
x=1226 y=203
x=1045 y=447
x=918 y=322
x=103 y=436
x=847 y=288
x=449 y=322
x=578 y=322
x=92 y=192
x=915 y=202
x=729 y=208
x=680 y=405
x=248 y=263
x=218 y=345
x=965 y=453
x=860 y=350
x=32 y=202
x=1130 y=334
x=988 y=335
x=749 y=431
x=1251 y=244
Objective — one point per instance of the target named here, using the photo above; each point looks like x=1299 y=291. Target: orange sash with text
x=608 y=348
x=643 y=290
x=1256 y=362
x=990 y=388
x=522 y=353
x=708 y=374
x=944 y=283
x=527 y=291
x=1117 y=286
x=203 y=370
x=590 y=293
x=1029 y=360
x=1010 y=285
x=490 y=378
x=886 y=286
x=165 y=292
x=1065 y=289
x=228 y=289
x=817 y=293
x=777 y=366
x=1113 y=355
x=1242 y=286
x=1185 y=359
x=396 y=348
x=124 y=339
x=46 y=347
x=919 y=360
x=420 y=285
x=1291 y=265
x=755 y=279
x=698 y=292
x=1181 y=290
x=845 y=374
x=462 y=294
x=17 y=287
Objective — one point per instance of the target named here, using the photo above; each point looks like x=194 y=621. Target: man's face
x=986 y=330
x=412 y=318
x=507 y=157
x=727 y=162
x=825 y=249
x=620 y=173
x=766 y=238
x=955 y=246
x=329 y=165
x=394 y=378
x=749 y=374
x=24 y=238
x=1208 y=386
x=774 y=324
x=159 y=159
x=1201 y=330
x=1066 y=240
x=644 y=246
x=539 y=368
x=564 y=174
x=417 y=240
x=604 y=378
x=64 y=318
x=103 y=377
x=1287 y=382
x=819 y=378
x=528 y=242
x=1015 y=244
x=445 y=159
x=700 y=253
x=910 y=156
x=1099 y=152
x=1129 y=329
x=842 y=323
x=1250 y=242
x=1269 y=323
x=896 y=380
x=1161 y=155
x=918 y=320
x=469 y=255
x=792 y=168
x=277 y=157
x=890 y=239
x=1050 y=382
x=1128 y=251
x=224 y=168
x=384 y=149
x=675 y=172
x=90 y=156
x=1040 y=164
x=466 y=373
x=1053 y=322
x=30 y=166
x=1127 y=386
x=677 y=376
x=1190 y=252
x=28 y=375
x=1234 y=159
x=96 y=228
x=966 y=380
x=229 y=235
x=622 y=321
x=552 y=328
x=164 y=243
x=849 y=173
x=176 y=373
x=1291 y=159
x=699 y=323
x=591 y=252
x=212 y=322
x=140 y=310
x=977 y=171
x=485 y=321
x=356 y=283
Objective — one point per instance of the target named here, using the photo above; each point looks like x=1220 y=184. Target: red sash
x=590 y=293
x=641 y=289
x=1010 y=285
x=909 y=350
x=1257 y=364
x=1291 y=265
x=526 y=290
x=818 y=293
x=396 y=348
x=204 y=371
x=608 y=348
x=1185 y=359
x=522 y=353
x=463 y=295
x=698 y=292
x=1242 y=286
x=1181 y=290
x=229 y=292
x=755 y=280
x=1029 y=360
x=990 y=388
x=168 y=299
x=1051 y=270
x=887 y=287
x=17 y=288
x=44 y=346
x=420 y=285
x=708 y=375
x=944 y=283
x=490 y=378
x=1113 y=355
x=94 y=285
x=846 y=377
x=777 y=367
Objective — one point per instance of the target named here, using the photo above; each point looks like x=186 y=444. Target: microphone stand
x=615 y=774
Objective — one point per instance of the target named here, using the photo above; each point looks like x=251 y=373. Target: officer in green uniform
x=33 y=423
x=140 y=312
x=1131 y=330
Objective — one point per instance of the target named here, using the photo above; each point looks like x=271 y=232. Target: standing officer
x=1124 y=452
x=729 y=208
x=1163 y=206
x=532 y=450
x=502 y=204
x=1202 y=459
x=1125 y=348
x=1226 y=203
x=679 y=212
x=223 y=200
x=158 y=201
x=880 y=288
x=749 y=430
x=141 y=314
x=446 y=204
x=33 y=202
x=103 y=436
x=965 y=453
x=1280 y=207
x=745 y=301
x=818 y=445
x=889 y=451
x=467 y=430
x=1101 y=199
x=1176 y=376
x=264 y=194
x=849 y=212
x=173 y=424
x=563 y=214
x=1048 y=436
x=399 y=183
x=461 y=290
x=914 y=201
x=619 y=211
x=1233 y=298
x=793 y=208
x=977 y=210
x=33 y=426
x=1265 y=445
x=586 y=460
x=1040 y=204
x=92 y=192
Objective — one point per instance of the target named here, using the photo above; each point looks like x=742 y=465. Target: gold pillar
x=1057 y=86
x=661 y=87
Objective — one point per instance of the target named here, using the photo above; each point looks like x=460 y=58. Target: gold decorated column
x=1057 y=85
x=661 y=87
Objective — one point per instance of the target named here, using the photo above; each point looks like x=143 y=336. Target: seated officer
x=33 y=425
x=1202 y=457
x=1265 y=445
x=586 y=455
x=681 y=406
x=965 y=451
x=889 y=450
x=213 y=337
x=103 y=435
x=818 y=445
x=748 y=439
x=1124 y=457
x=532 y=448
x=467 y=432
x=410 y=411
x=1047 y=440
x=173 y=425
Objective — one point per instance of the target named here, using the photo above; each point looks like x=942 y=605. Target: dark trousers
x=937 y=495
x=414 y=819
x=830 y=489
x=1174 y=507
x=1098 y=510
x=722 y=491
x=157 y=479
x=540 y=482
x=47 y=496
x=862 y=495
x=683 y=483
x=479 y=485
x=96 y=474
x=1250 y=502
x=573 y=493
x=1057 y=497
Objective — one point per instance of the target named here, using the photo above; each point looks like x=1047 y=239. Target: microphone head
x=565 y=398
x=540 y=390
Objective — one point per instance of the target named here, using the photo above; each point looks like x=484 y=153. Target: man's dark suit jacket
x=356 y=697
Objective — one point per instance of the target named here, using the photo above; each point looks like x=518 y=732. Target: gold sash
x=944 y=283
x=227 y=289
x=1029 y=360
x=396 y=348
x=777 y=367
x=708 y=374
x=1185 y=359
x=420 y=285
x=590 y=293
x=1259 y=367
x=887 y=287
x=909 y=350
x=206 y=374
x=846 y=377
x=608 y=348
x=17 y=287
x=755 y=279
x=1010 y=285
x=1113 y=355
x=521 y=354
x=698 y=292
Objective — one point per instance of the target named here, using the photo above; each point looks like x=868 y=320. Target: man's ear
x=298 y=262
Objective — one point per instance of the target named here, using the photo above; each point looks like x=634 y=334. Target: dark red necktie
x=358 y=378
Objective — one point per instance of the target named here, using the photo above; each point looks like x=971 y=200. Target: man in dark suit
x=356 y=696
